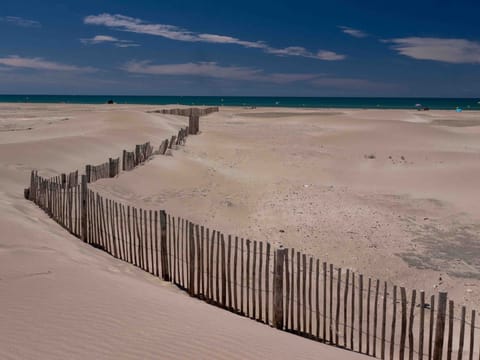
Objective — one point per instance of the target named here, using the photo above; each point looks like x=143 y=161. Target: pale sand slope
x=61 y=299
x=409 y=215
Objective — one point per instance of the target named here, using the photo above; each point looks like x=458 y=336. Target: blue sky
x=291 y=48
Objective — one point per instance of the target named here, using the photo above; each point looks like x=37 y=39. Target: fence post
x=163 y=245
x=83 y=201
x=124 y=157
x=278 y=289
x=111 y=168
x=193 y=124
x=191 y=259
x=32 y=186
x=440 y=326
x=88 y=172
x=137 y=154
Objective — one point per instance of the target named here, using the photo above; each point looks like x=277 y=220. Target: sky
x=257 y=48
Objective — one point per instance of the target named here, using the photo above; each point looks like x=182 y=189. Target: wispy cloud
x=216 y=71
x=213 y=70
x=207 y=69
x=353 y=32
x=15 y=61
x=456 y=51
x=19 y=21
x=126 y=23
x=99 y=39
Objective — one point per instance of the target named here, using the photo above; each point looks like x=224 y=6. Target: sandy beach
x=392 y=194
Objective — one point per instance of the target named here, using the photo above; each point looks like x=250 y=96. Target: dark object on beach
x=110 y=102
x=426 y=108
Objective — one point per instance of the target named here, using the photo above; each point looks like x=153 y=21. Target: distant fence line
x=280 y=287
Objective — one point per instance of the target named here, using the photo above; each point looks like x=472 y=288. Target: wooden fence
x=280 y=287
x=284 y=288
x=188 y=111
x=109 y=169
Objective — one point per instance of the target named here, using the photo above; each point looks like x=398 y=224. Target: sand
x=389 y=193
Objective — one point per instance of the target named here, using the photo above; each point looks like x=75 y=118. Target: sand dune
x=63 y=299
x=370 y=190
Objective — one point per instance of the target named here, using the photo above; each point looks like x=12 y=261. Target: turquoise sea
x=306 y=102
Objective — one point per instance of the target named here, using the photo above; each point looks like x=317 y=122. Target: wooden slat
x=310 y=305
x=462 y=335
x=403 y=329
x=279 y=261
x=229 y=271
x=260 y=278
x=191 y=264
x=345 y=308
x=375 y=319
x=337 y=312
x=242 y=275
x=472 y=335
x=155 y=221
x=267 y=282
x=299 y=298
x=146 y=240
x=421 y=328
x=292 y=291
x=411 y=344
x=112 y=227
x=202 y=260
x=287 y=291
x=394 y=320
x=170 y=233
x=304 y=293
x=198 y=257
x=235 y=272
x=136 y=237
x=330 y=307
x=212 y=273
x=224 y=273
x=317 y=299
x=352 y=315
x=440 y=326
x=450 y=329
x=324 y=301
x=208 y=291
x=182 y=252
x=247 y=270
x=140 y=238
x=125 y=232
x=369 y=288
x=254 y=308
x=430 y=336
x=360 y=312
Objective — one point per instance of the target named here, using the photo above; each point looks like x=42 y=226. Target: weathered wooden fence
x=284 y=288
x=193 y=114
x=109 y=169
x=188 y=111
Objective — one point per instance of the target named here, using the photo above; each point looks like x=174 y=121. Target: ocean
x=300 y=102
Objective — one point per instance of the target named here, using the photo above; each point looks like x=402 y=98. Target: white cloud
x=208 y=69
x=99 y=39
x=454 y=51
x=213 y=70
x=18 y=21
x=353 y=32
x=329 y=55
x=126 y=23
x=15 y=61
